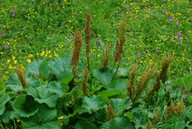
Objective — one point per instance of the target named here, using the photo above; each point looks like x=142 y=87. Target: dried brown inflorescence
x=76 y=54
x=111 y=112
x=149 y=125
x=84 y=86
x=88 y=36
x=120 y=43
x=106 y=56
x=131 y=83
x=162 y=75
x=135 y=91
x=178 y=109
x=21 y=76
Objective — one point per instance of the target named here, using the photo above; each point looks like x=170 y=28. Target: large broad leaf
x=105 y=77
x=123 y=71
x=25 y=106
x=58 y=88
x=118 y=84
x=66 y=74
x=85 y=125
x=121 y=105
x=118 y=123
x=58 y=65
x=109 y=93
x=46 y=118
x=93 y=103
x=7 y=116
x=37 y=68
x=4 y=98
x=14 y=83
x=43 y=95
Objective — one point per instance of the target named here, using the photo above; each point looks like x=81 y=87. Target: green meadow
x=107 y=64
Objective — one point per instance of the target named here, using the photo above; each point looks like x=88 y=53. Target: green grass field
x=33 y=30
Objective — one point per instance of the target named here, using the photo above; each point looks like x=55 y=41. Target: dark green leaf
x=25 y=106
x=85 y=125
x=4 y=98
x=14 y=83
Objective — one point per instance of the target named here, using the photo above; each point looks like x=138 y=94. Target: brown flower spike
x=84 y=86
x=88 y=36
x=76 y=53
x=21 y=76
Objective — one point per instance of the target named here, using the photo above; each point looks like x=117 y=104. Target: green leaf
x=4 y=98
x=66 y=74
x=14 y=83
x=58 y=65
x=105 y=77
x=118 y=123
x=93 y=103
x=123 y=71
x=58 y=88
x=46 y=118
x=184 y=81
x=121 y=105
x=25 y=106
x=43 y=95
x=44 y=68
x=37 y=68
x=85 y=125
x=118 y=84
x=108 y=93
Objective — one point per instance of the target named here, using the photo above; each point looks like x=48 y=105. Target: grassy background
x=45 y=29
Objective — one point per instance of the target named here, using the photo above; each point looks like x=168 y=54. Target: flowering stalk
x=106 y=57
x=120 y=43
x=76 y=54
x=111 y=112
x=88 y=36
x=84 y=86
x=21 y=77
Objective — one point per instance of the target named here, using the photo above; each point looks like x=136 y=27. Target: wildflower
x=12 y=11
x=172 y=39
x=101 y=46
x=180 y=40
x=13 y=14
x=71 y=37
x=163 y=0
x=75 y=13
x=156 y=51
x=15 y=8
x=6 y=47
x=171 y=17
x=3 y=34
x=138 y=55
x=177 y=23
x=179 y=34
x=8 y=27
x=96 y=41
x=164 y=11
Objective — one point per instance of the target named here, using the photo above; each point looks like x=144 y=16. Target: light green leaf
x=14 y=83
x=121 y=105
x=43 y=95
x=105 y=77
x=118 y=84
x=93 y=103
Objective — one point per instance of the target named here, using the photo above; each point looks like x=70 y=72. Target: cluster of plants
x=70 y=92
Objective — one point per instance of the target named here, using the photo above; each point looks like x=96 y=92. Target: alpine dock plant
x=88 y=36
x=21 y=77
x=76 y=55
x=84 y=86
x=120 y=43
x=106 y=58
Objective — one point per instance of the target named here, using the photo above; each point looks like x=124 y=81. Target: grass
x=42 y=29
